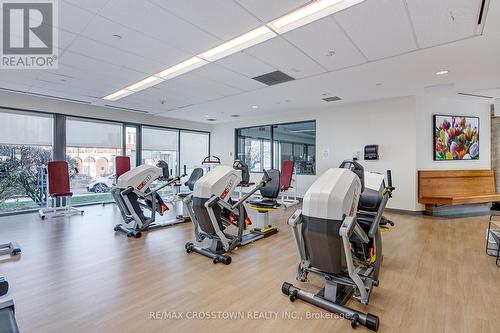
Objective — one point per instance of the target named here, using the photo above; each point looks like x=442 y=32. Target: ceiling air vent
x=332 y=99
x=481 y=18
x=47 y=96
x=475 y=95
x=125 y=109
x=273 y=78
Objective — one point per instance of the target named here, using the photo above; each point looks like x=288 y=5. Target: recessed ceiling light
x=211 y=119
x=235 y=116
x=117 y=36
x=255 y=107
x=443 y=72
x=378 y=84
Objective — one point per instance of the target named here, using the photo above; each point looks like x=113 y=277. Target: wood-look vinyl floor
x=76 y=275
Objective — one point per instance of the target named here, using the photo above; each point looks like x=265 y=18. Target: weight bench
x=58 y=190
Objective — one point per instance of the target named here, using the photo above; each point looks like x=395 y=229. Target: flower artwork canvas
x=456 y=138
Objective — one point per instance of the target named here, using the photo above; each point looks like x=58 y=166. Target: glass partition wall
x=265 y=147
x=254 y=147
x=27 y=143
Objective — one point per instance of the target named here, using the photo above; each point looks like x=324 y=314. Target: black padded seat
x=195 y=175
x=270 y=192
x=370 y=200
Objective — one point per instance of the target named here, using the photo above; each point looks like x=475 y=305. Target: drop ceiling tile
x=267 y=10
x=97 y=69
x=245 y=64
x=63 y=87
x=65 y=38
x=438 y=22
x=379 y=28
x=90 y=5
x=320 y=38
x=156 y=22
x=204 y=88
x=18 y=87
x=103 y=52
x=220 y=74
x=285 y=57
x=102 y=30
x=101 y=86
x=222 y=18
x=155 y=99
x=58 y=93
x=73 y=18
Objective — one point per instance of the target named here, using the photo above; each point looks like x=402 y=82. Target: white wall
x=402 y=127
x=34 y=103
x=428 y=106
x=343 y=130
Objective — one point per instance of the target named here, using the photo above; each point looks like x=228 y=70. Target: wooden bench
x=455 y=188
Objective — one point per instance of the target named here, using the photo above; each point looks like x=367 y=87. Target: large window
x=160 y=144
x=91 y=148
x=25 y=146
x=28 y=141
x=194 y=148
x=131 y=144
x=294 y=141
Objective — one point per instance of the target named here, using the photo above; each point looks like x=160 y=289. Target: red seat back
x=286 y=175
x=58 y=173
x=122 y=165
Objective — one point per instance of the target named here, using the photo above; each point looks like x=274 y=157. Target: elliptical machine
x=135 y=195
x=212 y=210
x=338 y=237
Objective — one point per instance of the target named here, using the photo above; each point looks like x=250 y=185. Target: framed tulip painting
x=456 y=138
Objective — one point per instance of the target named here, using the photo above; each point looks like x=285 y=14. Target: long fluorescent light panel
x=293 y=20
x=251 y=38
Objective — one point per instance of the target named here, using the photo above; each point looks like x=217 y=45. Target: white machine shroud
x=333 y=195
x=139 y=178
x=374 y=181
x=221 y=181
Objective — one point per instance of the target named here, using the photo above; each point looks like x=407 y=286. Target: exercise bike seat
x=269 y=193
x=195 y=175
x=370 y=200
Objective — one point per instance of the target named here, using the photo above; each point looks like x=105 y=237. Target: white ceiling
x=377 y=49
